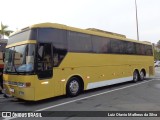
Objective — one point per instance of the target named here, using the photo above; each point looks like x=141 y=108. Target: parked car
x=157 y=64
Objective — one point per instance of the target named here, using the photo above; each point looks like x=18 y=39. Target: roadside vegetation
x=4 y=31
x=157 y=51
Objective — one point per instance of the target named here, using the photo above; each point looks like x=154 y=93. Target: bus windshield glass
x=19 y=59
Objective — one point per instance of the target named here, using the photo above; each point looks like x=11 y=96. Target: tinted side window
x=130 y=48
x=140 y=49
x=148 y=49
x=117 y=46
x=55 y=36
x=44 y=60
x=58 y=56
x=58 y=38
x=101 y=44
x=79 y=42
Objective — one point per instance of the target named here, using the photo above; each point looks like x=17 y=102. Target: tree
x=158 y=44
x=156 y=55
x=4 y=31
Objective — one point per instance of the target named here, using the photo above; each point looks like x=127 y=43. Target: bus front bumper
x=18 y=92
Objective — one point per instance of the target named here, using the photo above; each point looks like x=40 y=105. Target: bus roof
x=92 y=31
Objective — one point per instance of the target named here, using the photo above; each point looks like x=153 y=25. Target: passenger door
x=44 y=71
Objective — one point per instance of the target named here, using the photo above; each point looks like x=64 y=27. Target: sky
x=117 y=16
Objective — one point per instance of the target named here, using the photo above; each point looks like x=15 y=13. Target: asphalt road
x=140 y=96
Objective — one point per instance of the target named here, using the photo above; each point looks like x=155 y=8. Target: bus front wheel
x=73 y=87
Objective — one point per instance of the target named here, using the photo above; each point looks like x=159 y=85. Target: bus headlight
x=5 y=82
x=21 y=93
x=21 y=84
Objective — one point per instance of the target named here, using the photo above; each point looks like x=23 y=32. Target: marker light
x=88 y=77
x=63 y=80
x=44 y=83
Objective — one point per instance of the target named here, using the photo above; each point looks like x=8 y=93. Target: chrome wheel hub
x=142 y=75
x=74 y=87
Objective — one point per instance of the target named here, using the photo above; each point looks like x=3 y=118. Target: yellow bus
x=47 y=60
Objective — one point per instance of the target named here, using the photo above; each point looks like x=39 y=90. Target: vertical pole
x=1 y=29
x=137 y=20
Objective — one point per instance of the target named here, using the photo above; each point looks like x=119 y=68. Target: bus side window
x=39 y=58
x=47 y=58
x=44 y=60
x=58 y=55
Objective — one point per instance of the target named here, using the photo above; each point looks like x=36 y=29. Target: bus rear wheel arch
x=74 y=86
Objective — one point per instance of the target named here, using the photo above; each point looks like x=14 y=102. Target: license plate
x=12 y=90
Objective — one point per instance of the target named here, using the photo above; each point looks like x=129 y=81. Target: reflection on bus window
x=44 y=57
x=58 y=55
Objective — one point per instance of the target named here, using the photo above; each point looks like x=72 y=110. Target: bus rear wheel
x=135 y=76
x=142 y=75
x=73 y=87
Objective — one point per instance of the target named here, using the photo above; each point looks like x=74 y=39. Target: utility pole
x=137 y=20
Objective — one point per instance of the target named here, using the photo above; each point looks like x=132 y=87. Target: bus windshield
x=19 y=59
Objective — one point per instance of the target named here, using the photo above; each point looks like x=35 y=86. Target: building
x=3 y=43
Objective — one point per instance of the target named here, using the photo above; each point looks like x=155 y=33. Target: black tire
x=142 y=75
x=73 y=87
x=135 y=76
